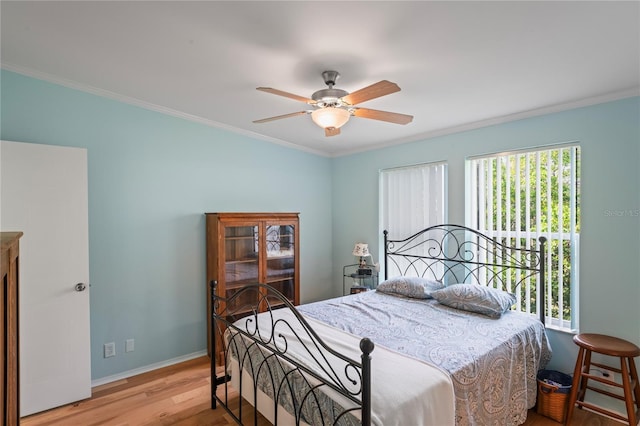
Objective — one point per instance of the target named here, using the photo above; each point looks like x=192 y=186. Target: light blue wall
x=610 y=245
x=151 y=178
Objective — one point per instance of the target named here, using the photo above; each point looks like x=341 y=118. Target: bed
x=444 y=314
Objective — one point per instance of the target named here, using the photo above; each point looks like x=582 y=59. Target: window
x=412 y=198
x=519 y=197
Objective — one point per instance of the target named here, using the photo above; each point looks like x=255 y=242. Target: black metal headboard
x=457 y=254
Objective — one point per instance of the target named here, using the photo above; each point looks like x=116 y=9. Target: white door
x=44 y=194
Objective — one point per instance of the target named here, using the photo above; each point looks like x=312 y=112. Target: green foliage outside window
x=544 y=209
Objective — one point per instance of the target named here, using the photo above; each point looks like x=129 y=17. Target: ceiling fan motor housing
x=329 y=97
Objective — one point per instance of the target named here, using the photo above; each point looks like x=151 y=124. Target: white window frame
x=527 y=235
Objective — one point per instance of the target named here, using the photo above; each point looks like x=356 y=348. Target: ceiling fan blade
x=286 y=95
x=376 y=90
x=331 y=131
x=278 y=117
x=391 y=117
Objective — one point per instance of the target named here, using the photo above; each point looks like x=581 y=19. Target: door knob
x=81 y=287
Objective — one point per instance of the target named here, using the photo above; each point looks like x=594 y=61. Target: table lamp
x=362 y=250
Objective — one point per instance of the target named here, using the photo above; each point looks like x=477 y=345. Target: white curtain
x=412 y=198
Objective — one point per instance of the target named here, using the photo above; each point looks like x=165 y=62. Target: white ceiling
x=460 y=64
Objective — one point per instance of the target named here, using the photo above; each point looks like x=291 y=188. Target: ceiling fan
x=334 y=107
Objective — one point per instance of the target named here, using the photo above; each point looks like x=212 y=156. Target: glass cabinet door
x=280 y=248
x=242 y=248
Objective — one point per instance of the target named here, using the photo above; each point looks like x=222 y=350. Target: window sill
x=559 y=329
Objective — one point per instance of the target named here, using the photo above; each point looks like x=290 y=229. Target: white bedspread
x=416 y=394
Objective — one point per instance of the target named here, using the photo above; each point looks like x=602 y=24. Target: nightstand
x=356 y=279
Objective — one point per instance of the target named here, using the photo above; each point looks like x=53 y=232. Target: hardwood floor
x=179 y=395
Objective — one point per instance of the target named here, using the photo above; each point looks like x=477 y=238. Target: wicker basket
x=553 y=394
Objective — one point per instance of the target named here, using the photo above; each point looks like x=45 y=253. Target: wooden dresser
x=9 y=383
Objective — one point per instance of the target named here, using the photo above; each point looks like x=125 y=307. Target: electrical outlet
x=109 y=349
x=129 y=345
x=608 y=374
x=605 y=374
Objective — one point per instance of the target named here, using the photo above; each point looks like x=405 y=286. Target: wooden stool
x=610 y=346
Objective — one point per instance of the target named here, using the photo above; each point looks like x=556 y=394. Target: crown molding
x=594 y=100
x=151 y=106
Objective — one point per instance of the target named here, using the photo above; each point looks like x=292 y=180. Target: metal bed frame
x=458 y=254
x=446 y=253
x=244 y=337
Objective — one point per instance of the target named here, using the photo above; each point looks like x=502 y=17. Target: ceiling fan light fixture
x=330 y=117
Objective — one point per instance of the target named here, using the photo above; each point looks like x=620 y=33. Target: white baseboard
x=146 y=368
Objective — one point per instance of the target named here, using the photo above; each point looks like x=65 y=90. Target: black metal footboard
x=266 y=352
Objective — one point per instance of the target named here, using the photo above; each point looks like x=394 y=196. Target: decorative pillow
x=415 y=287
x=476 y=298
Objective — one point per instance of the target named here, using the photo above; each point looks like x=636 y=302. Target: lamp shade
x=330 y=117
x=361 y=249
